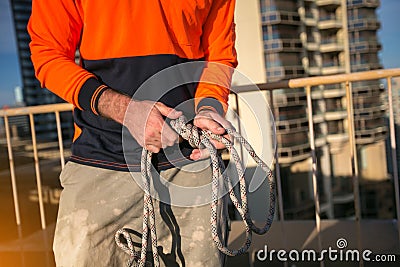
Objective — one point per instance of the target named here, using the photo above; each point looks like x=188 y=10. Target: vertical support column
x=12 y=172
x=60 y=140
x=394 y=154
x=37 y=169
x=279 y=183
x=346 y=37
x=239 y=123
x=277 y=168
x=354 y=164
x=239 y=129
x=314 y=168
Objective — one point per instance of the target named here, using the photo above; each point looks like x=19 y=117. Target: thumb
x=167 y=111
x=198 y=154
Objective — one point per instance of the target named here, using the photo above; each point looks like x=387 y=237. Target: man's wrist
x=210 y=103
x=113 y=105
x=206 y=109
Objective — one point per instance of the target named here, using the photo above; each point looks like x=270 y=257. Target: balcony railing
x=364 y=23
x=276 y=45
x=362 y=3
x=284 y=17
x=328 y=2
x=379 y=236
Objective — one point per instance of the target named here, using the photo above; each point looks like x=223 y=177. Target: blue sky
x=10 y=77
x=9 y=68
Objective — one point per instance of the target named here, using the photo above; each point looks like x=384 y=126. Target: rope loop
x=128 y=248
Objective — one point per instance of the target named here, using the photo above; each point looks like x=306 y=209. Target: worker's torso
x=124 y=43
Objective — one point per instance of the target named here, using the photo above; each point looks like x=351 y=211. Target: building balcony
x=337 y=138
x=357 y=67
x=314 y=70
x=330 y=22
x=290 y=99
x=373 y=112
x=330 y=68
x=309 y=19
x=283 y=45
x=333 y=92
x=290 y=126
x=311 y=44
x=364 y=102
x=338 y=114
x=294 y=153
x=328 y=2
x=365 y=47
x=331 y=45
x=295 y=138
x=320 y=141
x=310 y=22
x=359 y=24
x=285 y=72
x=30 y=189
x=363 y=3
x=280 y=17
x=369 y=136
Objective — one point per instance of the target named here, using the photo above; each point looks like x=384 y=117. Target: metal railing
x=307 y=83
x=347 y=79
x=31 y=111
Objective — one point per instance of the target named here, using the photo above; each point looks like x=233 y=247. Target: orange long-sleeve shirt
x=122 y=44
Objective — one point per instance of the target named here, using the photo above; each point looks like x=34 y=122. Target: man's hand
x=144 y=119
x=145 y=122
x=210 y=120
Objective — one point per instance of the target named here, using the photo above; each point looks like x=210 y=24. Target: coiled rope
x=199 y=138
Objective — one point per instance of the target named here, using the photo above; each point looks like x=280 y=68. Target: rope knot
x=187 y=131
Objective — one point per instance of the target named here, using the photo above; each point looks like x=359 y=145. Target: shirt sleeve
x=218 y=41
x=55 y=28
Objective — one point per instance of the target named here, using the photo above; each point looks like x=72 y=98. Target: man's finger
x=168 y=136
x=152 y=148
x=221 y=120
x=209 y=124
x=198 y=154
x=154 y=141
x=167 y=111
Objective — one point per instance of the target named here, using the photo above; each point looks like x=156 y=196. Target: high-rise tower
x=305 y=38
x=32 y=92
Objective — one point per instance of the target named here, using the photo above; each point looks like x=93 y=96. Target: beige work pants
x=96 y=202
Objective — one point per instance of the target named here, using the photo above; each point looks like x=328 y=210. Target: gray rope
x=199 y=138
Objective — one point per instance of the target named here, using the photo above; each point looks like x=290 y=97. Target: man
x=122 y=44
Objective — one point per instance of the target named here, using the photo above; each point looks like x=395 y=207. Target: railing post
x=277 y=167
x=394 y=152
x=12 y=172
x=60 y=140
x=354 y=164
x=314 y=169
x=279 y=183
x=239 y=123
x=37 y=169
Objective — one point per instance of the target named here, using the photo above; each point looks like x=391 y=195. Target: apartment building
x=32 y=92
x=304 y=38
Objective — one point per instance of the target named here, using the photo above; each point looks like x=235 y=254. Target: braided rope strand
x=199 y=138
x=128 y=248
